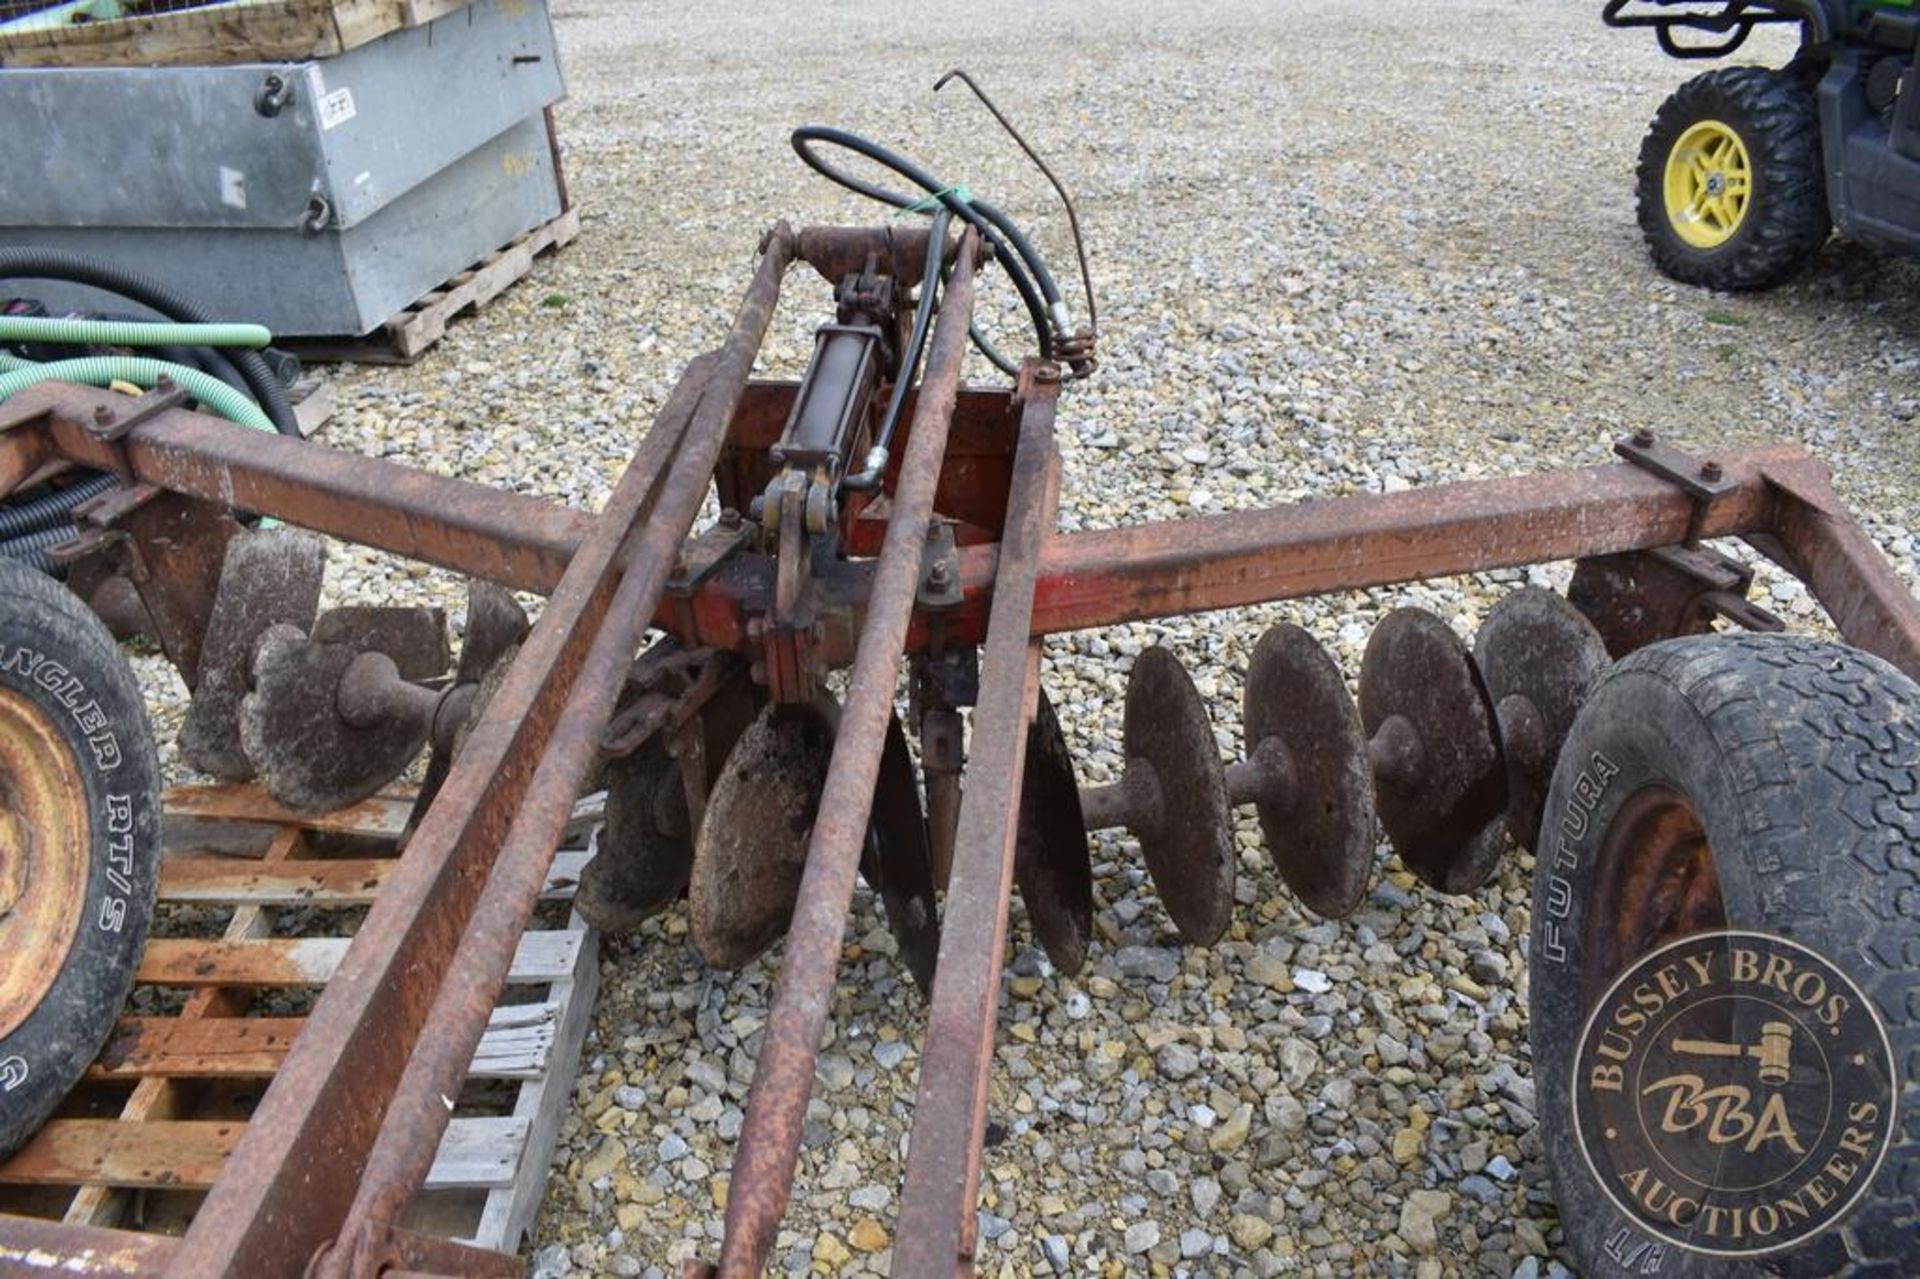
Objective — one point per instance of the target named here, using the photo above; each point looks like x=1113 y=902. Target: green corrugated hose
x=43 y=328
x=99 y=370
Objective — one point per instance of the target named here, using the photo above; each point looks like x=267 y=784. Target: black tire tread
x=1787 y=220
x=60 y=624
x=1810 y=727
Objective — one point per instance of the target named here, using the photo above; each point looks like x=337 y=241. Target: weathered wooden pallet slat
x=517 y=1045
x=195 y=1073
x=211 y=34
x=196 y=1048
x=202 y=878
x=407 y=335
x=187 y=1154
x=312 y=961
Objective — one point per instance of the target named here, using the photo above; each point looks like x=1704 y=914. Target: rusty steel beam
x=22 y=452
x=1816 y=539
x=294 y=1173
x=509 y=538
x=34 y=1248
x=648 y=547
x=1109 y=576
x=839 y=251
x=783 y=1078
x=937 y=1219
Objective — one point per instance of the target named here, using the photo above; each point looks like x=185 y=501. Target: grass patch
x=555 y=300
x=1728 y=319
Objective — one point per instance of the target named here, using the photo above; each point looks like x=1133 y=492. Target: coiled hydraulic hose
x=75 y=268
x=32 y=547
x=99 y=370
x=51 y=508
x=1022 y=264
x=44 y=328
x=43 y=522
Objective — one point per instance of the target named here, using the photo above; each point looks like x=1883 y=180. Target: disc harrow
x=878 y=521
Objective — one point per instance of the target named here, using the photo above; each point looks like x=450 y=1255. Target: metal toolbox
x=317 y=197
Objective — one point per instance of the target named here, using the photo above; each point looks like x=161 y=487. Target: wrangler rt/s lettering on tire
x=79 y=842
x=1714 y=786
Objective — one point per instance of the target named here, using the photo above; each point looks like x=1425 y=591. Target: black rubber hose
x=917 y=339
x=994 y=226
x=76 y=268
x=31 y=548
x=37 y=513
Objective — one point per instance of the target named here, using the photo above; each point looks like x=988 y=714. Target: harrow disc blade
x=1444 y=816
x=752 y=843
x=415 y=638
x=1188 y=837
x=1540 y=656
x=897 y=862
x=645 y=852
x=1051 y=864
x=270 y=577
x=495 y=623
x=311 y=758
x=1323 y=834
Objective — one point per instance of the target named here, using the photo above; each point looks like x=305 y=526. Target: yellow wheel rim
x=45 y=836
x=1709 y=184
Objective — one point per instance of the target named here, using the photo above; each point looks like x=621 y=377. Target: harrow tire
x=84 y=757
x=1800 y=760
x=1777 y=120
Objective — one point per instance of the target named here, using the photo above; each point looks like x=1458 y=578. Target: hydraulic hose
x=1022 y=264
x=874 y=470
x=32 y=516
x=99 y=370
x=43 y=328
x=32 y=547
x=55 y=264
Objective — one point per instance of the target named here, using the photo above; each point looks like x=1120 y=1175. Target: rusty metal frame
x=343 y=1138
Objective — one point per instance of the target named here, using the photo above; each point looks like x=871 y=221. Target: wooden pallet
x=406 y=337
x=218 y=33
x=259 y=904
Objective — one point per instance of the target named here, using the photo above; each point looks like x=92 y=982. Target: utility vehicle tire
x=1762 y=783
x=79 y=842
x=1731 y=188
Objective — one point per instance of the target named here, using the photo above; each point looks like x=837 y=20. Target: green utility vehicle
x=1747 y=170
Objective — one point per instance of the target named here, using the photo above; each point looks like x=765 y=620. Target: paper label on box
x=336 y=108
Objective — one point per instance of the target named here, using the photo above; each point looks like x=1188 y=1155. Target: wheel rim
x=44 y=842
x=1655 y=883
x=1709 y=183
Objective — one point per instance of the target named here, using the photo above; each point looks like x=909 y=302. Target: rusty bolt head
x=729 y=518
x=1710 y=471
x=1048 y=372
x=102 y=415
x=1643 y=438
x=940 y=574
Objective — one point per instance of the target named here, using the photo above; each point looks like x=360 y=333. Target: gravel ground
x=1341 y=247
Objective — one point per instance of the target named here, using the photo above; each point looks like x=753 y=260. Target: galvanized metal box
x=318 y=198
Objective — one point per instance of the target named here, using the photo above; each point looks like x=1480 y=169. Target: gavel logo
x=1774 y=1051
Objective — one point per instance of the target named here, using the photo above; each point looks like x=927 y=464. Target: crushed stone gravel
x=1341 y=247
